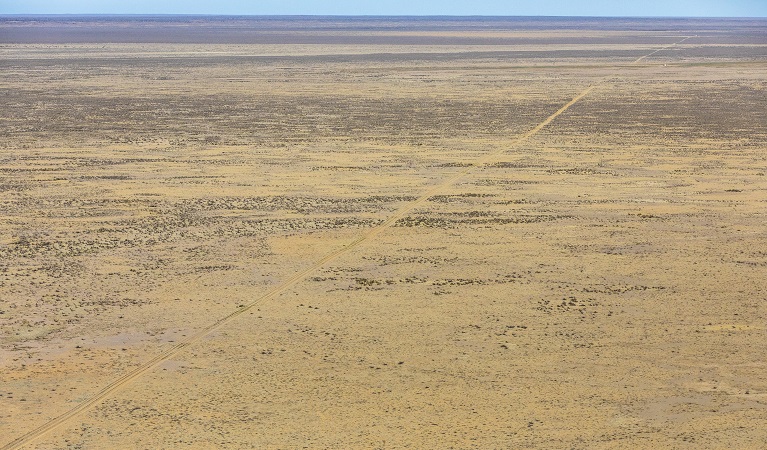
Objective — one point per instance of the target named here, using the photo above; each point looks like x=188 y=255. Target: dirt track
x=426 y=332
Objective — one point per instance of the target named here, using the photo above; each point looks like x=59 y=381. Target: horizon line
x=368 y=15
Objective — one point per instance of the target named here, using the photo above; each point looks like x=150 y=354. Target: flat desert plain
x=244 y=232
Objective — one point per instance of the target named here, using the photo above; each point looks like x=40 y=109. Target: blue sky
x=731 y=8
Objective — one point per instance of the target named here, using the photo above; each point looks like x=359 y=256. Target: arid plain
x=383 y=233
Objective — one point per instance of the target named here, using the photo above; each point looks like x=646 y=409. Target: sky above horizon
x=686 y=8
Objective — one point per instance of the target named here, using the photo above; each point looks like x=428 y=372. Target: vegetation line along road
x=295 y=279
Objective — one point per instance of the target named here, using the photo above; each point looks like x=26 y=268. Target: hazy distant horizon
x=435 y=16
x=347 y=30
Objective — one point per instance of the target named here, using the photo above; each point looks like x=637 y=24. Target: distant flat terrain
x=383 y=232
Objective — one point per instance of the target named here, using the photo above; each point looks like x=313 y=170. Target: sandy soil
x=383 y=234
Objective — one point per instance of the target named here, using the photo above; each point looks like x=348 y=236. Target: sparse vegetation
x=325 y=233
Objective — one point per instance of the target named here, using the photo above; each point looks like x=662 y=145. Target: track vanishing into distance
x=147 y=366
x=660 y=50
